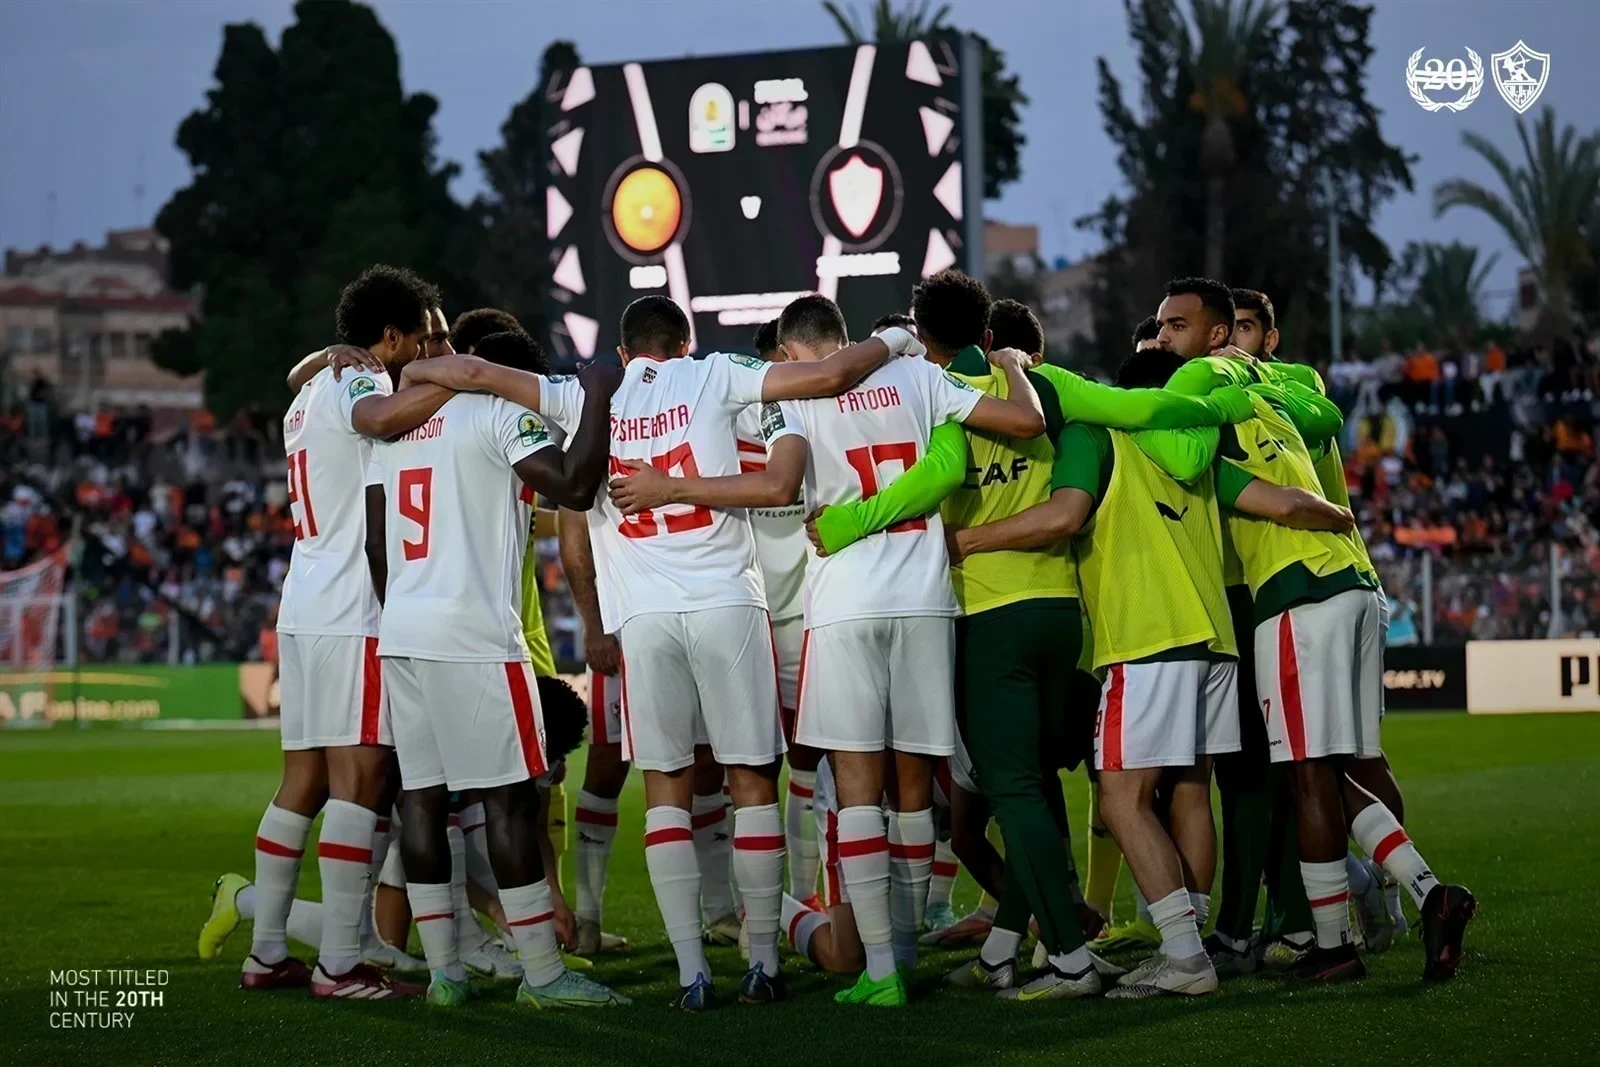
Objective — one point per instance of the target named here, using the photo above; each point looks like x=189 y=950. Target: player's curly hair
x=895 y=318
x=380 y=297
x=1014 y=325
x=473 y=326
x=813 y=320
x=1148 y=330
x=1260 y=303
x=951 y=309
x=1149 y=369
x=564 y=717
x=513 y=349
x=655 y=326
x=766 y=339
x=1215 y=298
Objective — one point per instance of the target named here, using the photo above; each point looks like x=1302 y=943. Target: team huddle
x=926 y=570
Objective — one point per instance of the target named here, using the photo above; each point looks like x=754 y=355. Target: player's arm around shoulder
x=1075 y=486
x=777 y=485
x=1292 y=506
x=1185 y=455
x=806 y=380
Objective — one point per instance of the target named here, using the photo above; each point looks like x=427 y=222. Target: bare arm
x=775 y=487
x=572 y=478
x=1045 y=523
x=601 y=650
x=469 y=374
x=1292 y=506
x=1020 y=414
x=840 y=371
x=384 y=417
x=339 y=357
x=377 y=559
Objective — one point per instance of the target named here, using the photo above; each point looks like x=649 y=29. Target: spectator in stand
x=1422 y=372
x=1494 y=372
x=1390 y=373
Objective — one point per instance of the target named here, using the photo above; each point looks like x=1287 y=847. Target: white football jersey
x=456 y=520
x=859 y=442
x=677 y=415
x=780 y=532
x=328 y=590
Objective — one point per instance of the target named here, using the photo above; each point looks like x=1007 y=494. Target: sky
x=92 y=91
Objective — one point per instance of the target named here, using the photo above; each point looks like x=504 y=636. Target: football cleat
x=1445 y=914
x=1227 y=961
x=445 y=992
x=1145 y=969
x=759 y=987
x=723 y=930
x=1280 y=954
x=1126 y=937
x=1372 y=912
x=699 y=995
x=378 y=952
x=1106 y=968
x=571 y=990
x=361 y=982
x=592 y=940
x=491 y=960
x=224 y=917
x=1167 y=980
x=287 y=973
x=980 y=975
x=940 y=916
x=887 y=992
x=1342 y=964
x=971 y=930
x=1055 y=984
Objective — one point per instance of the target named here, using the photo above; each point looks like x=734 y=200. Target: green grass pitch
x=110 y=840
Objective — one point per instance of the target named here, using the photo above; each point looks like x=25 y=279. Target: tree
x=513 y=264
x=1446 y=285
x=310 y=163
x=1305 y=147
x=1229 y=40
x=1002 y=92
x=1547 y=206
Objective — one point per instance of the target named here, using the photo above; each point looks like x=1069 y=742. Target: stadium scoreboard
x=735 y=183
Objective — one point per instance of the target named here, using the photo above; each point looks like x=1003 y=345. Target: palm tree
x=1229 y=39
x=1448 y=283
x=1546 y=206
x=883 y=23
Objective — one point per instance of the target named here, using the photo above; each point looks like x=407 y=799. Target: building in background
x=83 y=319
x=1059 y=293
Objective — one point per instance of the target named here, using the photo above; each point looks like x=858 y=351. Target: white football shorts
x=331 y=692
x=871 y=684
x=709 y=675
x=1166 y=714
x=465 y=725
x=1319 y=674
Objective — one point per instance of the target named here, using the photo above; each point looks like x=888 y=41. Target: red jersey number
x=416 y=503
x=865 y=462
x=305 y=519
x=648 y=523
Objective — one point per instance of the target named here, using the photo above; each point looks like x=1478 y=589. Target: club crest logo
x=857 y=191
x=1437 y=76
x=1519 y=85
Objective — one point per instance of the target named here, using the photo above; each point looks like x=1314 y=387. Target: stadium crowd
x=1482 y=459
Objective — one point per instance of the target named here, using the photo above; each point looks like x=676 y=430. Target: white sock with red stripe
x=911 y=851
x=597 y=828
x=344 y=858
x=469 y=934
x=800 y=834
x=479 y=869
x=1328 y=893
x=713 y=850
x=432 y=911
x=1201 y=903
x=280 y=842
x=802 y=923
x=942 y=886
x=1173 y=915
x=864 y=866
x=531 y=916
x=669 y=854
x=758 y=868
x=383 y=834
x=1379 y=834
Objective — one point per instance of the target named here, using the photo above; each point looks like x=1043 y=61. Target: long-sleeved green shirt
x=921 y=489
